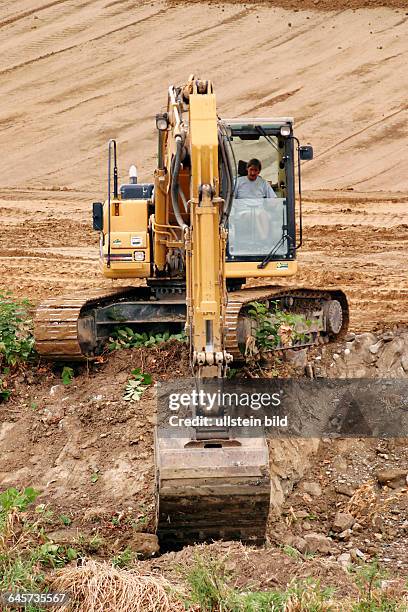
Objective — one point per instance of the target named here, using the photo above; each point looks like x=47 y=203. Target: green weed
x=137 y=385
x=124 y=559
x=16 y=337
x=125 y=338
x=65 y=520
x=67 y=375
x=277 y=328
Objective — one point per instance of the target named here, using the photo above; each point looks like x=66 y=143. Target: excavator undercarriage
x=77 y=328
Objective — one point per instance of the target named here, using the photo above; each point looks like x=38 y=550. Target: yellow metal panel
x=249 y=269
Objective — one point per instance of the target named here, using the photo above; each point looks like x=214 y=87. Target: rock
x=318 y=543
x=374 y=348
x=344 y=559
x=345 y=535
x=313 y=488
x=343 y=521
x=344 y=489
x=52 y=415
x=144 y=544
x=357 y=554
x=391 y=355
x=388 y=336
x=63 y=536
x=393 y=478
x=300 y=514
x=404 y=362
x=296 y=542
x=297 y=358
x=351 y=336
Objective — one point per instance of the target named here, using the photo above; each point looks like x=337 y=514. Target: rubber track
x=238 y=299
x=56 y=322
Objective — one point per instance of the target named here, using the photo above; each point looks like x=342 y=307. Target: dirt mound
x=83 y=445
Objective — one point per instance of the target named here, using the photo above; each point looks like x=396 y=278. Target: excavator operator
x=255 y=193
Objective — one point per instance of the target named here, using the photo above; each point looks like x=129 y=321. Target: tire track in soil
x=80 y=44
x=29 y=12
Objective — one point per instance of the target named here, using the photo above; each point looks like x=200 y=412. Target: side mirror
x=97 y=216
x=306 y=152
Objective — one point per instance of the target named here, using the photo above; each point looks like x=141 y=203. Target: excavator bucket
x=211 y=490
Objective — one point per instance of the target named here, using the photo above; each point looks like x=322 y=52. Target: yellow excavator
x=197 y=235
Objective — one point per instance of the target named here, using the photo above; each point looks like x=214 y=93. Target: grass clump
x=101 y=587
x=211 y=590
x=26 y=555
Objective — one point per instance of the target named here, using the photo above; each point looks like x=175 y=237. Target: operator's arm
x=269 y=192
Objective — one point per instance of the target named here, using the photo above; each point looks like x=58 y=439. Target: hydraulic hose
x=174 y=183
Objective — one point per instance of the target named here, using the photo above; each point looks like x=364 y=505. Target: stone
x=63 y=536
x=388 y=336
x=351 y=336
x=318 y=543
x=345 y=535
x=144 y=544
x=313 y=488
x=357 y=554
x=297 y=358
x=301 y=514
x=374 y=348
x=393 y=478
x=344 y=559
x=295 y=542
x=344 y=489
x=343 y=521
x=391 y=355
x=404 y=362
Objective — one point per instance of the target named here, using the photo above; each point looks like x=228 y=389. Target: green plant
x=67 y=375
x=89 y=544
x=368 y=578
x=65 y=520
x=276 y=328
x=291 y=552
x=12 y=499
x=16 y=337
x=208 y=583
x=125 y=338
x=4 y=392
x=137 y=385
x=124 y=559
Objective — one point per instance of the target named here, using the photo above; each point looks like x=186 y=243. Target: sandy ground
x=356 y=241
x=76 y=73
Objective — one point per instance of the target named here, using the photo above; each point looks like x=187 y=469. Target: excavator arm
x=210 y=485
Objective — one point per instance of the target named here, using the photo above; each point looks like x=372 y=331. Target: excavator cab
x=261 y=227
